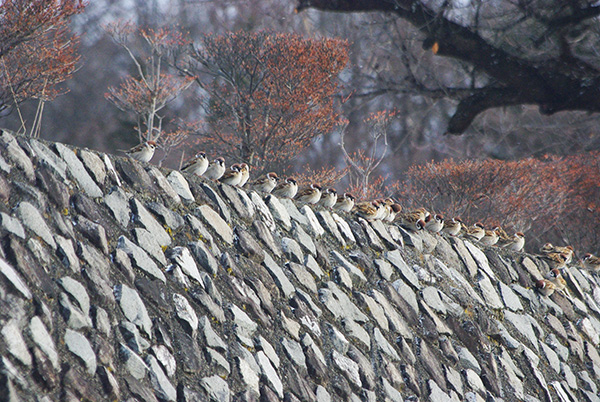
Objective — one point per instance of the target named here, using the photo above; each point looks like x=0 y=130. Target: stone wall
x=127 y=282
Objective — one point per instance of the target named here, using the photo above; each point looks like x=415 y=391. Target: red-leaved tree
x=37 y=50
x=266 y=95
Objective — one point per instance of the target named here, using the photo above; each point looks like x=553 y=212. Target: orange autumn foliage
x=553 y=199
x=267 y=95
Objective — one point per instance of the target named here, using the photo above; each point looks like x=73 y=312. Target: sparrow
x=591 y=262
x=568 y=251
x=434 y=223
x=490 y=237
x=344 y=203
x=547 y=248
x=328 y=198
x=245 y=169
x=286 y=189
x=309 y=195
x=367 y=209
x=265 y=183
x=215 y=169
x=452 y=227
x=409 y=220
x=557 y=279
x=555 y=260
x=545 y=287
x=476 y=231
x=232 y=176
x=196 y=165
x=515 y=243
x=394 y=210
x=142 y=152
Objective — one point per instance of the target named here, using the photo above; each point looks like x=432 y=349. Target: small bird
x=309 y=195
x=409 y=220
x=245 y=169
x=344 y=203
x=286 y=189
x=547 y=248
x=367 y=209
x=476 y=231
x=142 y=152
x=545 y=287
x=328 y=198
x=265 y=183
x=434 y=223
x=515 y=243
x=394 y=210
x=568 y=251
x=591 y=262
x=196 y=165
x=232 y=176
x=452 y=227
x=490 y=237
x=555 y=260
x=215 y=169
x=557 y=279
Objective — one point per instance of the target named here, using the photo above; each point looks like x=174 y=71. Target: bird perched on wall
x=434 y=223
x=475 y=231
x=309 y=195
x=265 y=183
x=344 y=203
x=142 y=152
x=409 y=220
x=557 y=279
x=591 y=262
x=568 y=251
x=394 y=210
x=286 y=189
x=245 y=169
x=215 y=169
x=555 y=260
x=545 y=287
x=232 y=175
x=452 y=227
x=196 y=165
x=490 y=237
x=368 y=209
x=328 y=198
x=514 y=243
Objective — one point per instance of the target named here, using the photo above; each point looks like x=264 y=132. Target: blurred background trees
x=412 y=64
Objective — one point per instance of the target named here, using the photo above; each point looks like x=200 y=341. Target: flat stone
x=459 y=280
x=147 y=221
x=436 y=394
x=186 y=313
x=568 y=375
x=160 y=382
x=43 y=339
x=294 y=352
x=407 y=273
x=148 y=242
x=481 y=259
x=585 y=325
x=248 y=373
x=385 y=269
x=339 y=304
x=329 y=223
x=351 y=268
x=356 y=331
x=182 y=257
x=78 y=171
x=12 y=225
x=383 y=345
x=374 y=241
x=511 y=300
x=530 y=267
x=454 y=379
x=489 y=293
x=467 y=360
x=77 y=291
x=248 y=245
x=551 y=356
x=80 y=347
x=216 y=388
x=440 y=325
x=171 y=195
x=382 y=231
x=344 y=228
x=279 y=212
x=15 y=343
x=75 y=318
x=303 y=239
x=110 y=170
x=264 y=234
x=15 y=279
x=523 y=325
x=278 y=276
x=314 y=227
x=511 y=373
x=117 y=202
x=292 y=250
x=397 y=323
x=431 y=296
x=303 y=276
x=46 y=155
x=264 y=345
x=66 y=252
x=392 y=394
x=293 y=211
x=16 y=154
x=180 y=185
x=342 y=277
x=211 y=338
x=376 y=311
x=140 y=258
x=216 y=223
x=244 y=326
x=269 y=373
x=133 y=308
x=33 y=220
x=93 y=164
x=204 y=257
x=348 y=367
x=166 y=216
x=264 y=214
x=465 y=256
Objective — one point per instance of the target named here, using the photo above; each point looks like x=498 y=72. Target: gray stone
x=248 y=373
x=290 y=326
x=382 y=230
x=329 y=223
x=102 y=321
x=94 y=165
x=278 y=276
x=15 y=279
x=397 y=323
x=385 y=269
x=356 y=331
x=243 y=324
x=511 y=373
x=94 y=232
x=342 y=277
x=489 y=293
x=140 y=258
x=586 y=326
x=467 y=360
x=211 y=338
x=554 y=343
x=167 y=217
x=303 y=276
x=339 y=304
x=75 y=318
x=511 y=300
x=294 y=352
x=431 y=296
x=216 y=388
x=148 y=222
x=133 y=308
x=204 y=257
x=374 y=241
x=279 y=212
x=314 y=227
x=264 y=214
x=181 y=257
x=465 y=256
x=568 y=375
x=15 y=343
x=348 y=367
x=344 y=229
x=454 y=379
x=407 y=294
x=66 y=253
x=293 y=211
x=160 y=382
x=111 y=171
x=180 y=185
x=34 y=221
x=269 y=373
x=16 y=154
x=392 y=394
x=351 y=268
x=43 y=339
x=78 y=171
x=148 y=242
x=117 y=202
x=338 y=340
x=551 y=356
x=292 y=250
x=458 y=279
x=186 y=313
x=384 y=345
x=587 y=383
x=216 y=223
x=303 y=239
x=531 y=268
x=405 y=271
x=440 y=325
x=268 y=350
x=132 y=336
x=218 y=362
x=313 y=266
x=164 y=184
x=46 y=155
x=12 y=225
x=481 y=259
x=322 y=395
x=474 y=381
x=376 y=311
x=77 y=291
x=80 y=347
